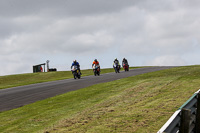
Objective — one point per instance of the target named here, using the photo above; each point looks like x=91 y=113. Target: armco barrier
x=186 y=119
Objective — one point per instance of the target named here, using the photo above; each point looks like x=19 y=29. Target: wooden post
x=197 y=125
x=185 y=121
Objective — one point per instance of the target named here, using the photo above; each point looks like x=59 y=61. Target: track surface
x=19 y=96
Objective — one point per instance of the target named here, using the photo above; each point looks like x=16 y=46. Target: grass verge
x=139 y=104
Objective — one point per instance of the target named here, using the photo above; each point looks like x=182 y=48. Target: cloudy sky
x=146 y=32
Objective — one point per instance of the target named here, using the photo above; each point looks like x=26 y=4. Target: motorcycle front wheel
x=74 y=76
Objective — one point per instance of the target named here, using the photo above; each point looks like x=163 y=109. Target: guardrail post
x=197 y=125
x=185 y=121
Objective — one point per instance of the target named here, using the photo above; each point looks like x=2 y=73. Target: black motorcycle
x=116 y=67
x=76 y=72
x=96 y=70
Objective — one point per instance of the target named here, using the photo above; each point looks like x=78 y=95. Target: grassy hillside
x=31 y=78
x=139 y=104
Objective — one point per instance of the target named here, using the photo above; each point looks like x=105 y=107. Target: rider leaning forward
x=75 y=63
x=116 y=62
x=124 y=61
x=95 y=62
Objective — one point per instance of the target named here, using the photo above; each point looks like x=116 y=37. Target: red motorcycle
x=126 y=67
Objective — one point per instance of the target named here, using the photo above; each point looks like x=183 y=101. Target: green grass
x=139 y=104
x=31 y=78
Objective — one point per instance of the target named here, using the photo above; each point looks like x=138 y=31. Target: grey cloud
x=17 y=63
x=167 y=60
x=64 y=7
x=153 y=30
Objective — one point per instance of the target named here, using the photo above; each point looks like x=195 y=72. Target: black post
x=197 y=125
x=185 y=121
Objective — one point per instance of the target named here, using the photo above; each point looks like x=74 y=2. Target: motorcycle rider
x=116 y=62
x=124 y=61
x=75 y=63
x=95 y=62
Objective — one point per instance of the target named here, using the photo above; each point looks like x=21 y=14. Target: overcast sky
x=146 y=32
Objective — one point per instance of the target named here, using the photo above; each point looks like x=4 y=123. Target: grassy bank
x=31 y=78
x=139 y=104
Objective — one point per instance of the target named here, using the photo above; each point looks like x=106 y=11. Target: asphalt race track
x=19 y=96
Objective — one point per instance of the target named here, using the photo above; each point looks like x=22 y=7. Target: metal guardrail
x=186 y=119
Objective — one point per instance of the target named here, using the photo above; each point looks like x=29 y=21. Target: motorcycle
x=126 y=67
x=96 y=69
x=76 y=72
x=116 y=67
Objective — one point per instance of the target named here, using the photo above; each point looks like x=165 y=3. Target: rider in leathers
x=117 y=63
x=75 y=63
x=124 y=61
x=95 y=62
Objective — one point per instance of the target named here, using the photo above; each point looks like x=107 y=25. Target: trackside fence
x=186 y=119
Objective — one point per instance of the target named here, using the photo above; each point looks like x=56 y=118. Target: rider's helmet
x=74 y=61
x=115 y=58
x=95 y=60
